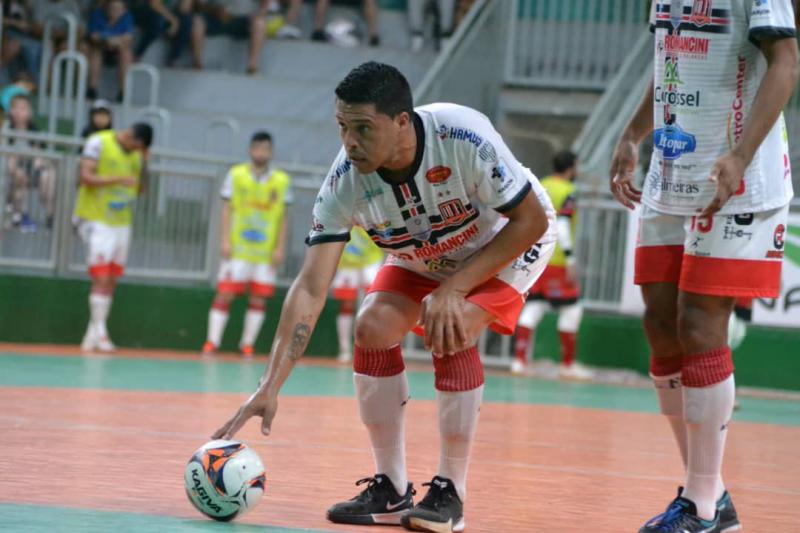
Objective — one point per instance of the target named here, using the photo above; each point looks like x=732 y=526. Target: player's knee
x=659 y=325
x=458 y=372
x=257 y=302
x=700 y=330
x=368 y=331
x=223 y=299
x=569 y=318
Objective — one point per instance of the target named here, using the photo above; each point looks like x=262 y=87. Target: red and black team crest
x=701 y=12
x=778 y=238
x=453 y=211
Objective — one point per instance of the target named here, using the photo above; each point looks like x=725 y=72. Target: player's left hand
x=262 y=403
x=442 y=316
x=727 y=173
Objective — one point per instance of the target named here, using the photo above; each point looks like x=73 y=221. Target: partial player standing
x=716 y=200
x=112 y=175
x=558 y=287
x=358 y=266
x=252 y=241
x=468 y=230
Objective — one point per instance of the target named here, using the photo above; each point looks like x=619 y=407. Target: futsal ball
x=224 y=479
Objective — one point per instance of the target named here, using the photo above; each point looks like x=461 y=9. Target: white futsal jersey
x=464 y=178
x=708 y=68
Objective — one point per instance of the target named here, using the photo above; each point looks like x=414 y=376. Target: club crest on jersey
x=453 y=211
x=701 y=12
x=419 y=227
x=778 y=238
x=442 y=131
x=673 y=142
x=438 y=174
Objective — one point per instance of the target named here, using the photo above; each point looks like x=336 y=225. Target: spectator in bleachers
x=370 y=15
x=41 y=10
x=417 y=9
x=110 y=41
x=21 y=52
x=171 y=18
x=23 y=84
x=28 y=173
x=100 y=118
x=239 y=19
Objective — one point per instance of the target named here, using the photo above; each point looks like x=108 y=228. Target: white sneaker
x=89 y=341
x=105 y=345
x=518 y=367
x=344 y=357
x=288 y=31
x=575 y=371
x=417 y=43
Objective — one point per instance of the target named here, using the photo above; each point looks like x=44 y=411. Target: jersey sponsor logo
x=778 y=238
x=441 y=263
x=340 y=171
x=676 y=187
x=671 y=76
x=370 y=195
x=500 y=178
x=384 y=229
x=459 y=134
x=453 y=211
x=676 y=98
x=745 y=219
x=530 y=256
x=736 y=115
x=438 y=174
x=254 y=235
x=673 y=142
x=487 y=152
x=687 y=46
x=453 y=243
x=316 y=225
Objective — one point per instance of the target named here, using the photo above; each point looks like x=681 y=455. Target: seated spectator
x=100 y=118
x=21 y=52
x=22 y=85
x=172 y=18
x=28 y=173
x=445 y=11
x=239 y=19
x=110 y=40
x=41 y=10
x=370 y=14
x=289 y=29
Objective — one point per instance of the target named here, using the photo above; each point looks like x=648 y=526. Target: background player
x=716 y=202
x=461 y=218
x=252 y=241
x=358 y=266
x=558 y=287
x=112 y=174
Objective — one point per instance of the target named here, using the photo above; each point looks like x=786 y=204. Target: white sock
x=253 y=320
x=344 y=329
x=670 y=397
x=217 y=319
x=458 y=419
x=707 y=411
x=99 y=306
x=381 y=403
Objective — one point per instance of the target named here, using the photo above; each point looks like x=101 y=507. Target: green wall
x=48 y=310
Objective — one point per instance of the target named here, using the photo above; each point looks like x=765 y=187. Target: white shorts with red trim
x=503 y=296
x=106 y=247
x=348 y=281
x=725 y=255
x=237 y=276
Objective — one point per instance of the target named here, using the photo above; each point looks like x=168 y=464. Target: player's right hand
x=621 y=175
x=262 y=403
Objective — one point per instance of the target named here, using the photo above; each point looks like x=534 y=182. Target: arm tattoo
x=299 y=341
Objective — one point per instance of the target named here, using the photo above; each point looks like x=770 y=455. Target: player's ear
x=402 y=119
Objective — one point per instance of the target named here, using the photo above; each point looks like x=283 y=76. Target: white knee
x=532 y=314
x=569 y=318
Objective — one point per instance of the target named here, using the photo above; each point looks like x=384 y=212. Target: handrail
x=127 y=95
x=226 y=122
x=165 y=122
x=47 y=57
x=80 y=101
x=450 y=47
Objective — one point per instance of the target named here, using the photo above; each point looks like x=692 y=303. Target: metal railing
x=154 y=78
x=175 y=233
x=68 y=59
x=570 y=43
x=47 y=57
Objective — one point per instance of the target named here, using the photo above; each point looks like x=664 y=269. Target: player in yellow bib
x=112 y=170
x=558 y=286
x=358 y=266
x=252 y=241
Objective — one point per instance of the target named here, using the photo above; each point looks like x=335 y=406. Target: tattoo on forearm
x=299 y=341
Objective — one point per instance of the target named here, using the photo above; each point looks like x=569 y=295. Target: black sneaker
x=440 y=511
x=379 y=503
x=728 y=520
x=681 y=517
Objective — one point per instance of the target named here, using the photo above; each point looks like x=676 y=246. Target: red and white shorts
x=726 y=255
x=503 y=296
x=237 y=276
x=348 y=281
x=555 y=286
x=106 y=248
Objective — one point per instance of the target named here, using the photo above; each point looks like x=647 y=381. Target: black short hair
x=143 y=132
x=563 y=161
x=379 y=84
x=261 y=136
